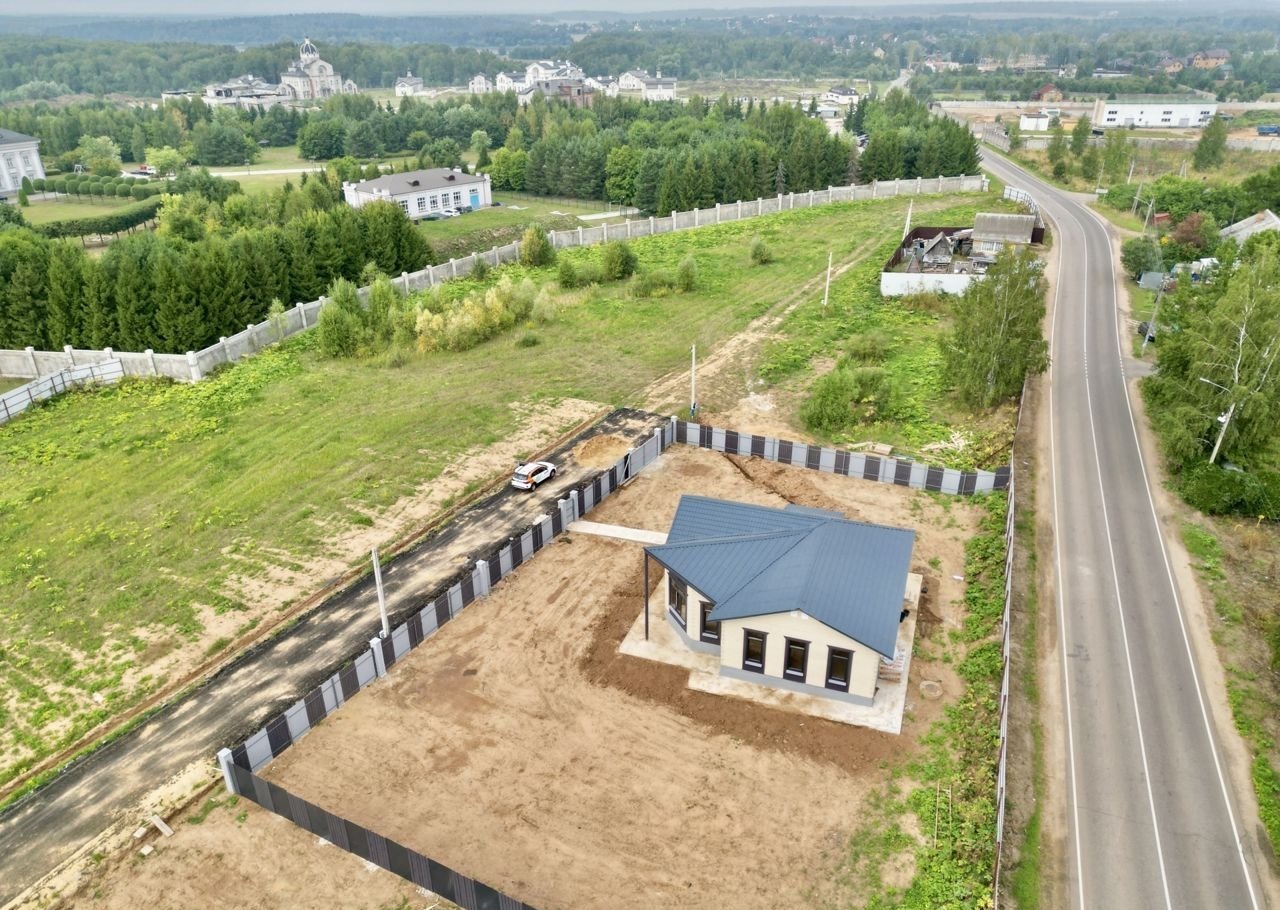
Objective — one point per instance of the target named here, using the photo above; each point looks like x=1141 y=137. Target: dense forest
x=216 y=263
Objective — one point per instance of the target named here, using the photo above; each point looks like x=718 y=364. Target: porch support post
x=646 y=595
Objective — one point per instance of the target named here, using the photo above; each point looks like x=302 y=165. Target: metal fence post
x=379 y=663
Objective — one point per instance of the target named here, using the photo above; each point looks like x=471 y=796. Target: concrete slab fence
x=195 y=365
x=16 y=401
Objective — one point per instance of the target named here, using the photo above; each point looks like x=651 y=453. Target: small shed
x=1242 y=230
x=795 y=598
x=992 y=231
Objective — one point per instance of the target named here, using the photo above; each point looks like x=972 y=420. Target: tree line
x=905 y=140
x=212 y=267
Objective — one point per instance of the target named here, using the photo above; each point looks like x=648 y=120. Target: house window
x=753 y=651
x=710 y=627
x=457 y=197
x=839 y=663
x=404 y=204
x=435 y=203
x=677 y=598
x=422 y=203
x=795 y=663
x=1166 y=112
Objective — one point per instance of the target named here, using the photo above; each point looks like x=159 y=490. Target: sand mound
x=600 y=451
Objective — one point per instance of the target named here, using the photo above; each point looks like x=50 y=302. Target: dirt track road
x=40 y=832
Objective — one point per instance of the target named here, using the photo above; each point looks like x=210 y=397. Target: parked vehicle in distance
x=450 y=213
x=1269 y=129
x=529 y=475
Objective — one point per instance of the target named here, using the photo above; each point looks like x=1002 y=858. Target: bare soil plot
x=240 y=857
x=518 y=747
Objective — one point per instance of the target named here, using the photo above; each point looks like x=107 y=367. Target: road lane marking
x=1062 y=607
x=1177 y=601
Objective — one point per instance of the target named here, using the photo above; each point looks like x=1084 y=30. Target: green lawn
x=42 y=212
x=124 y=510
x=497 y=225
x=6 y=384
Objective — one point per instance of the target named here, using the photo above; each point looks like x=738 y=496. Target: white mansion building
x=308 y=79
x=422 y=193
x=19 y=157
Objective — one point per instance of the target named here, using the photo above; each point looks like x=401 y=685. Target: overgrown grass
x=953 y=789
x=924 y=413
x=1237 y=560
x=126 y=510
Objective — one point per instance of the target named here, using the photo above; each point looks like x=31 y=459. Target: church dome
x=307 y=51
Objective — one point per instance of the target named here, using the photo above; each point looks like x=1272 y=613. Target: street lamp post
x=1225 y=420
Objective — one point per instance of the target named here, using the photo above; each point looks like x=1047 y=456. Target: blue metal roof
x=754 y=560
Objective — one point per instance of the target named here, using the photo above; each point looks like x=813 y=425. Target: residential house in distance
x=573 y=92
x=548 y=70
x=1158 y=111
x=407 y=85
x=1241 y=231
x=508 y=82
x=479 y=84
x=841 y=94
x=795 y=598
x=605 y=85
x=1209 y=60
x=649 y=88
x=1047 y=92
x=19 y=157
x=993 y=231
x=245 y=92
x=421 y=193
x=1170 y=65
x=309 y=78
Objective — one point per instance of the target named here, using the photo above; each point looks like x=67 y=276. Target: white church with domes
x=311 y=79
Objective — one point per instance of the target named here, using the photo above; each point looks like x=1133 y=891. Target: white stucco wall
x=897 y=284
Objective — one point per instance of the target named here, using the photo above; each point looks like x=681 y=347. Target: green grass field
x=125 y=510
x=6 y=384
x=43 y=211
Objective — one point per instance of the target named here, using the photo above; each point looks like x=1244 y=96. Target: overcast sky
x=407 y=7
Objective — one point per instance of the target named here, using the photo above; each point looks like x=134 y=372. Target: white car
x=450 y=213
x=529 y=476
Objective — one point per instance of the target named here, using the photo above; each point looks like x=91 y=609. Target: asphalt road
x=1153 y=817
x=37 y=834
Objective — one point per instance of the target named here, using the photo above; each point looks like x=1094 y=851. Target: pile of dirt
x=852 y=750
x=601 y=451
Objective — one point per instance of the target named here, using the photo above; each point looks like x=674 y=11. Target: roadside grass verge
x=946 y=794
x=126 y=510
x=1237 y=562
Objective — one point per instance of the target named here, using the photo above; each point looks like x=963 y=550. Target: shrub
x=340 y=331
x=536 y=248
x=480 y=271
x=22 y=198
x=1217 y=491
x=38 y=184
x=850 y=395
x=567 y=275
x=545 y=307
x=653 y=284
x=527 y=340
x=618 y=261
x=687 y=274
x=870 y=348
x=760 y=252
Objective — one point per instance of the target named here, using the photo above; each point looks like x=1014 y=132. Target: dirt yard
x=239 y=857
x=518 y=747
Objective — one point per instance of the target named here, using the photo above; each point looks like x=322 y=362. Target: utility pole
x=693 y=381
x=1151 y=326
x=1137 y=197
x=1150 y=202
x=382 y=597
x=1132 y=162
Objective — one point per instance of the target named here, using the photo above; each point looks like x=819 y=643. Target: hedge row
x=120 y=187
x=112 y=222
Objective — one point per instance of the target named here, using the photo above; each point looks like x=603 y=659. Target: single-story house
x=1047 y=92
x=421 y=193
x=796 y=598
x=841 y=94
x=993 y=230
x=1241 y=231
x=1033 y=123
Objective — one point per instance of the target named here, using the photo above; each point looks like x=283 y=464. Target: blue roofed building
x=797 y=598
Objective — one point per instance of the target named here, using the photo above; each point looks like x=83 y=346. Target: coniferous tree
x=64 y=311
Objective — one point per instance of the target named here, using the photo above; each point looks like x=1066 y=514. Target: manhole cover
x=930 y=688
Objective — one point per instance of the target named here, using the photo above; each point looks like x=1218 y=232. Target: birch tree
x=997 y=340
